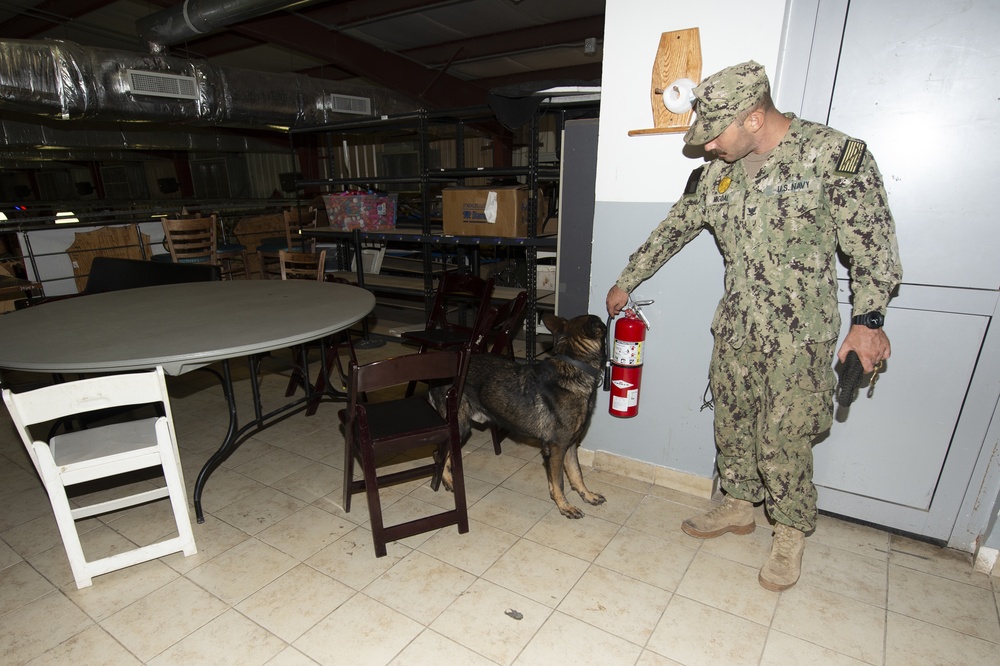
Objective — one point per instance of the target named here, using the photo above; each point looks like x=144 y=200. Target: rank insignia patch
x=692 y=184
x=851 y=156
x=724 y=184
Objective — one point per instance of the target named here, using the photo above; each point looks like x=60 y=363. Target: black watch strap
x=872 y=320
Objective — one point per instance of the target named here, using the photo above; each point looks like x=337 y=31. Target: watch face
x=874 y=320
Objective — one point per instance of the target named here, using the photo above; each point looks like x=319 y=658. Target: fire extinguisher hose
x=607 y=355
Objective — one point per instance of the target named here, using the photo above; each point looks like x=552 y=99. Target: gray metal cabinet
x=918 y=81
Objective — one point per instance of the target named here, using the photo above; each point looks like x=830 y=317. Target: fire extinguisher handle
x=643 y=318
x=636 y=307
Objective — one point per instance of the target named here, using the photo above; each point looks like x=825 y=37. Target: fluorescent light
x=66 y=217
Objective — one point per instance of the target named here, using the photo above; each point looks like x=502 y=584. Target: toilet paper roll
x=678 y=96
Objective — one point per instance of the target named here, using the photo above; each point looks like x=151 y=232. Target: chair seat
x=406 y=415
x=230 y=247
x=166 y=258
x=193 y=260
x=438 y=338
x=93 y=443
x=273 y=244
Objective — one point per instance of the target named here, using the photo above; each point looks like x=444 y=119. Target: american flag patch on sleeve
x=851 y=156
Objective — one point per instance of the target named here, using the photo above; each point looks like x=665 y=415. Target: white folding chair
x=104 y=451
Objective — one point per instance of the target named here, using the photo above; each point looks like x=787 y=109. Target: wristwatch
x=871 y=320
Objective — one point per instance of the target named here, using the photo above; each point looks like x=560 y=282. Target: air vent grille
x=360 y=106
x=158 y=84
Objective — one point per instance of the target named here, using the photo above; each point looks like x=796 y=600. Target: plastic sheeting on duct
x=67 y=81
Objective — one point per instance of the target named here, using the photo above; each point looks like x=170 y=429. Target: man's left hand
x=870 y=344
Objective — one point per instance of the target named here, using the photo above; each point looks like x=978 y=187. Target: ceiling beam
x=47 y=15
x=590 y=72
x=511 y=41
x=355 y=12
x=437 y=89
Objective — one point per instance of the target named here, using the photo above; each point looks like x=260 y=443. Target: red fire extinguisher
x=626 y=360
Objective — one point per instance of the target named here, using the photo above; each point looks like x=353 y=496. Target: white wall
x=638 y=178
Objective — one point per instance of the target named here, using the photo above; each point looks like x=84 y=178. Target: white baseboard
x=685 y=482
x=986 y=560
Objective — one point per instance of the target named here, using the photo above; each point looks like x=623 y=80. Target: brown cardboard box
x=465 y=212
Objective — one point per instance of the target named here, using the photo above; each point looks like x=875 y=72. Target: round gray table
x=182 y=327
x=179 y=326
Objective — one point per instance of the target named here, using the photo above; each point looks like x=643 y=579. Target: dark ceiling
x=446 y=53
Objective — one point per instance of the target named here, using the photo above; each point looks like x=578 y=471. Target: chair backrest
x=116 y=273
x=296 y=221
x=434 y=367
x=191 y=240
x=302 y=265
x=58 y=401
x=508 y=319
x=372 y=254
x=460 y=289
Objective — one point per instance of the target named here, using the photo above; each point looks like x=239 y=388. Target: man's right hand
x=617 y=299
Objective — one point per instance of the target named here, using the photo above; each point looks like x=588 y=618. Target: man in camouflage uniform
x=781 y=198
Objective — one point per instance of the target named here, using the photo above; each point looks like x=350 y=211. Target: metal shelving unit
x=425 y=128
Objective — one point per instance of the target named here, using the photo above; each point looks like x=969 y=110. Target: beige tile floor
x=283 y=576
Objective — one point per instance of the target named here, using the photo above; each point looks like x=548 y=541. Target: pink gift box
x=367 y=212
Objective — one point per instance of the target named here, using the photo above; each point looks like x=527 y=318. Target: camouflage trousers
x=770 y=407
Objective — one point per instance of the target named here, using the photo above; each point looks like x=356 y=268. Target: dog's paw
x=570 y=511
x=593 y=498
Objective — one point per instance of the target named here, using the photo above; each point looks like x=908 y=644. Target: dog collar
x=596 y=373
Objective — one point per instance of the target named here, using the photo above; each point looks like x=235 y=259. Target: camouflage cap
x=721 y=97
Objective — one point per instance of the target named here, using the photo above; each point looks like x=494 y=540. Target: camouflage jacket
x=779 y=234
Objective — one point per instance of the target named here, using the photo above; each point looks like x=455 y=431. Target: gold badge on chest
x=724 y=184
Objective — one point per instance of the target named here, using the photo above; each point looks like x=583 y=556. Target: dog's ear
x=554 y=323
x=595 y=327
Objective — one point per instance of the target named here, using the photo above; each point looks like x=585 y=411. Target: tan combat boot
x=784 y=564
x=735 y=515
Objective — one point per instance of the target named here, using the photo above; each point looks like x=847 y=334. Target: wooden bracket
x=678 y=57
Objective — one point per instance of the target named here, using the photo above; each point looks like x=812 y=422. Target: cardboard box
x=545 y=278
x=367 y=212
x=487 y=211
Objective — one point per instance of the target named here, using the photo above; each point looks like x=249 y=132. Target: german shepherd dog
x=551 y=400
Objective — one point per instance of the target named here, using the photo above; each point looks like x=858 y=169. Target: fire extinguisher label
x=622 y=384
x=627 y=353
x=622 y=403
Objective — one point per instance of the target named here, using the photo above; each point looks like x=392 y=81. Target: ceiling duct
x=193 y=18
x=63 y=80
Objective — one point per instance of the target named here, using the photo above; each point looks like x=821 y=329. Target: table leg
x=224 y=450
x=236 y=435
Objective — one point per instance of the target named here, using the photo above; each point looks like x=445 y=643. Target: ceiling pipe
x=193 y=18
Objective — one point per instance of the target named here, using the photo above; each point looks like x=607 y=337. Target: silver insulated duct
x=63 y=80
x=193 y=18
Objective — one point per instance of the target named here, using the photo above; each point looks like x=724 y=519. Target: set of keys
x=871 y=382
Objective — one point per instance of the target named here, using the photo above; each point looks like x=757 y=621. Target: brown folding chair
x=500 y=341
x=268 y=249
x=302 y=265
x=455 y=294
x=191 y=241
x=306 y=266
x=375 y=432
